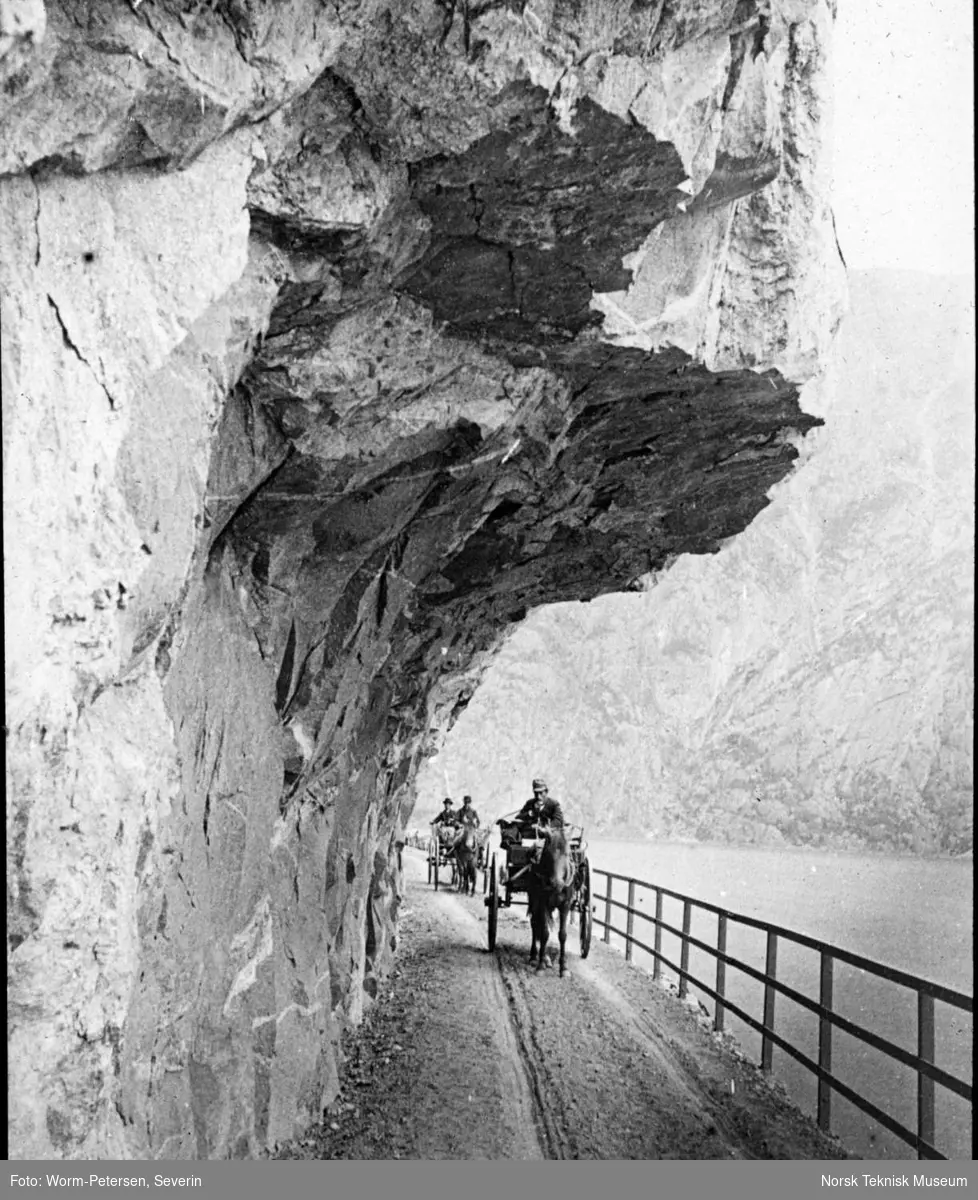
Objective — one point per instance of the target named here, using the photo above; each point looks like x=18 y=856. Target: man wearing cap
x=540 y=810
x=467 y=814
x=448 y=815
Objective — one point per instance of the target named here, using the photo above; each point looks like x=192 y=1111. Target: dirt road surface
x=472 y=1055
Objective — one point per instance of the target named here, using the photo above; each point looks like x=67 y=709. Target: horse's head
x=555 y=864
x=555 y=840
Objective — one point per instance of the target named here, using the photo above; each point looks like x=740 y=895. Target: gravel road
x=471 y=1055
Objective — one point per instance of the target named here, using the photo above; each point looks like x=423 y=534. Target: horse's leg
x=562 y=936
x=544 y=936
x=534 y=927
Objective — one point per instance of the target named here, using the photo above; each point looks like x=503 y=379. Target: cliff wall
x=335 y=340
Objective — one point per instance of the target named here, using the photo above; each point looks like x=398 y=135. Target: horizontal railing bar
x=624 y=905
x=621 y=933
x=837 y=1085
x=893 y=974
x=951 y=1081
x=909 y=1059
x=922 y=1065
x=650 y=917
x=890 y=1123
x=931 y=1070
x=649 y=950
x=922 y=1147
x=853 y=1097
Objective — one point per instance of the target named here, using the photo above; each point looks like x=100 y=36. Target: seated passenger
x=467 y=814
x=448 y=815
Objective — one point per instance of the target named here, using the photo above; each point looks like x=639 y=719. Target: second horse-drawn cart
x=441 y=855
x=509 y=871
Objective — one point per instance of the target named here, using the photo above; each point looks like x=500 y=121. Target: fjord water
x=911 y=913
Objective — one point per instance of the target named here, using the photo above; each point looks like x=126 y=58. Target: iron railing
x=927 y=1072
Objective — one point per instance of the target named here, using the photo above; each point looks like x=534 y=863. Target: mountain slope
x=814 y=680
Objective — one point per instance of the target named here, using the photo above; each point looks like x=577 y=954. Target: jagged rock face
x=813 y=682
x=335 y=341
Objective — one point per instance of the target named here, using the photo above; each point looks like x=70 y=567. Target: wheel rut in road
x=470 y=1055
x=516 y=1070
x=549 y=1114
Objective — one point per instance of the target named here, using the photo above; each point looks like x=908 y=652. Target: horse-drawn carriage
x=514 y=876
x=451 y=848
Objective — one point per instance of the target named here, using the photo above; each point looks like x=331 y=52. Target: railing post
x=607 y=913
x=684 y=949
x=825 y=1042
x=721 y=971
x=925 y=1085
x=630 y=925
x=771 y=972
x=657 y=967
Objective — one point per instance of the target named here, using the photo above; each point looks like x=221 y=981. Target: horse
x=551 y=884
x=482 y=838
x=447 y=837
x=465 y=851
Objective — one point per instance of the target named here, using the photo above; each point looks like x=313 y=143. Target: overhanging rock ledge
x=336 y=339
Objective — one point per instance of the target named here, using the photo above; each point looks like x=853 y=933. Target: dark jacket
x=446 y=818
x=468 y=817
x=547 y=813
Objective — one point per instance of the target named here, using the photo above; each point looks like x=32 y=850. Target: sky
x=903 y=132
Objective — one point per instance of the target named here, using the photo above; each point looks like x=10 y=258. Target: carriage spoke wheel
x=436 y=858
x=584 y=899
x=493 y=903
x=432 y=855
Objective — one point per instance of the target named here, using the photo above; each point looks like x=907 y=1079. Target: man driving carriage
x=448 y=815
x=540 y=809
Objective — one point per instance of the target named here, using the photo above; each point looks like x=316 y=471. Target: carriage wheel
x=584 y=900
x=493 y=903
x=485 y=874
x=432 y=853
x=437 y=856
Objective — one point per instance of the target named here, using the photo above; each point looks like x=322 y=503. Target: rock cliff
x=336 y=338
x=814 y=681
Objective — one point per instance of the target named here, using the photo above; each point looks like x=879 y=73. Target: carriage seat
x=510 y=834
